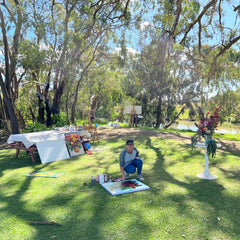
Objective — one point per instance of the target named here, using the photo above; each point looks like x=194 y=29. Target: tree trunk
x=41 y=118
x=48 y=109
x=73 y=108
x=32 y=114
x=176 y=117
x=49 y=119
x=4 y=118
x=9 y=107
x=159 y=113
x=20 y=118
x=58 y=95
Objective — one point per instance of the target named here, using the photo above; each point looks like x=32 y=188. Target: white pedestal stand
x=206 y=174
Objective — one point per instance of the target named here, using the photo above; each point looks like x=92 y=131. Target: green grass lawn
x=178 y=205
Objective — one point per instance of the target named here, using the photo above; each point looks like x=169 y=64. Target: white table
x=206 y=174
x=50 y=144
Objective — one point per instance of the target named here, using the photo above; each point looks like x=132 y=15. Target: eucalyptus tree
x=166 y=80
x=11 y=19
x=201 y=24
x=77 y=33
x=198 y=29
x=69 y=29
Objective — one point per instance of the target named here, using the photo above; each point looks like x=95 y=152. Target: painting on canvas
x=128 y=186
x=74 y=144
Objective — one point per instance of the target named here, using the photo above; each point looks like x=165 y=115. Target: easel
x=133 y=119
x=90 y=127
x=134 y=111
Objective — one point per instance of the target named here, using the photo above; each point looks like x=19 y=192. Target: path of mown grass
x=178 y=205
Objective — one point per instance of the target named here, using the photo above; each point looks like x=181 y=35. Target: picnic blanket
x=47 y=174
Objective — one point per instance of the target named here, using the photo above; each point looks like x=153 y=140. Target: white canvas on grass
x=54 y=150
x=116 y=188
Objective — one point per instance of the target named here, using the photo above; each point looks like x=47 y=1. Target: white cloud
x=145 y=25
x=130 y=50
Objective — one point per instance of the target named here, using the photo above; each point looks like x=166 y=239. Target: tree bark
x=4 y=118
x=58 y=95
x=10 y=65
x=21 y=121
x=32 y=114
x=159 y=113
x=10 y=107
x=41 y=118
x=48 y=109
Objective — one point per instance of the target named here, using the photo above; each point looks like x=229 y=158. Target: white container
x=101 y=179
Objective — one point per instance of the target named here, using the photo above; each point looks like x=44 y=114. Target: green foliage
x=35 y=127
x=191 y=114
x=170 y=111
x=32 y=58
x=103 y=113
x=60 y=120
x=211 y=148
x=230 y=104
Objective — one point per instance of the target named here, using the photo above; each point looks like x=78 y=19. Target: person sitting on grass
x=130 y=161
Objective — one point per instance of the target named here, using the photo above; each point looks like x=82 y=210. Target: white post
x=206 y=174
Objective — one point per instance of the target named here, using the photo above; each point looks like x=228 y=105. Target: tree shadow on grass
x=8 y=160
x=204 y=192
x=89 y=212
x=231 y=147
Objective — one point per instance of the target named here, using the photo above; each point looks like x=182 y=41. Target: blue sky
x=229 y=19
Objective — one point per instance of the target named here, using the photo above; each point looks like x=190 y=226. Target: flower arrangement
x=207 y=124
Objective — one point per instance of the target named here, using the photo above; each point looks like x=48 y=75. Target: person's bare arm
x=123 y=174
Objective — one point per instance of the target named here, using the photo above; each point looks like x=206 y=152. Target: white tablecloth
x=50 y=144
x=29 y=139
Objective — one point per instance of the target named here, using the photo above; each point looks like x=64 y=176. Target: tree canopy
x=62 y=52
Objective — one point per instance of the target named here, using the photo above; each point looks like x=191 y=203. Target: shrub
x=35 y=127
x=60 y=120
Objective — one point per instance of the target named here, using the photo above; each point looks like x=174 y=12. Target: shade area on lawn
x=178 y=204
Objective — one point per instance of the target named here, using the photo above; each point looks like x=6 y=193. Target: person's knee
x=132 y=170
x=139 y=161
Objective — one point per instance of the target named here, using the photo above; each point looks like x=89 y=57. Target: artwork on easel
x=134 y=111
x=130 y=108
x=74 y=144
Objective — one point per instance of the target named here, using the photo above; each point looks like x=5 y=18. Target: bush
x=35 y=127
x=60 y=120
